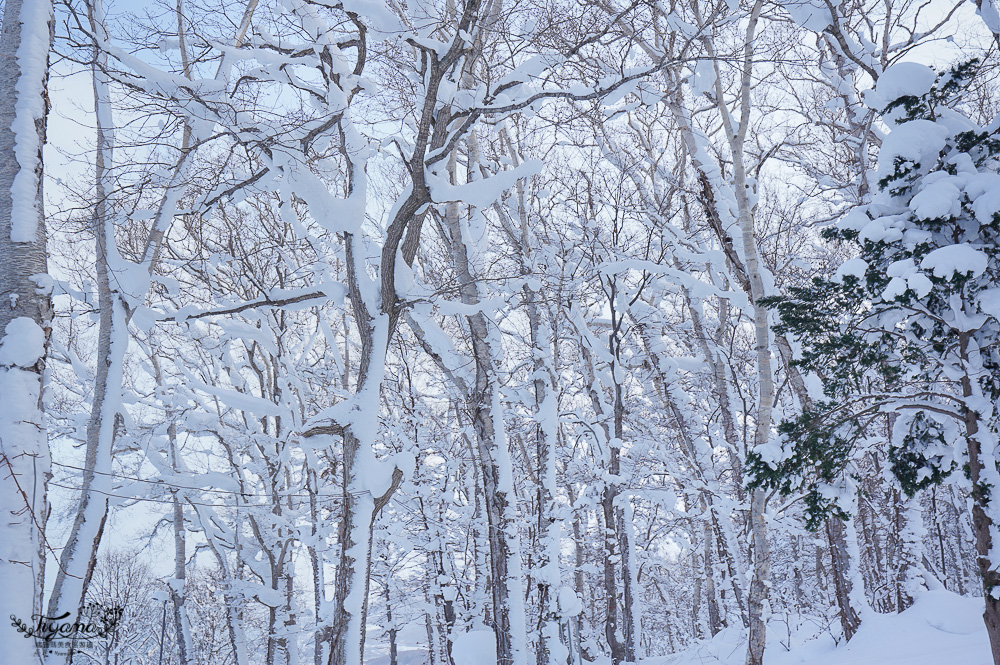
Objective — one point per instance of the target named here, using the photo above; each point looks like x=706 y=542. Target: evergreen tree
x=909 y=327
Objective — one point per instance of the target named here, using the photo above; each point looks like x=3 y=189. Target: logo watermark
x=94 y=620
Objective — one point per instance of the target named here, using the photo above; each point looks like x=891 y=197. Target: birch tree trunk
x=551 y=650
x=494 y=458
x=79 y=555
x=745 y=262
x=543 y=338
x=176 y=586
x=760 y=582
x=25 y=316
x=376 y=310
x=983 y=525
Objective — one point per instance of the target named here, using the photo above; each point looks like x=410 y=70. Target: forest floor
x=942 y=628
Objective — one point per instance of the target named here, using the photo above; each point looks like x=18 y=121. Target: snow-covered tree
x=25 y=314
x=911 y=325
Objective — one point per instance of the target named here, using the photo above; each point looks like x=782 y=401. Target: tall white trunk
x=176 y=586
x=745 y=192
x=79 y=555
x=25 y=317
x=544 y=344
x=509 y=623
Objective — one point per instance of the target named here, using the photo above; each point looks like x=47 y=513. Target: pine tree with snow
x=911 y=326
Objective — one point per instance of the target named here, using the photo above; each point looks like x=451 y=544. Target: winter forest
x=484 y=332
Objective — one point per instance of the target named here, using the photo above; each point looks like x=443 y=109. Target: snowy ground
x=941 y=628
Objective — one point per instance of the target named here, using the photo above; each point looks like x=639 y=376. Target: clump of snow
x=904 y=78
x=938 y=200
x=811 y=15
x=917 y=141
x=375 y=11
x=476 y=647
x=990 y=13
x=44 y=283
x=983 y=189
x=143 y=318
x=989 y=302
x=905 y=275
x=961 y=258
x=919 y=283
x=23 y=343
x=569 y=603
x=895 y=287
x=884 y=229
x=770 y=453
x=900 y=268
x=404 y=275
x=703 y=77
x=856 y=267
x=405 y=461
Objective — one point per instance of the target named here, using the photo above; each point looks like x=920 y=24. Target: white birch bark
x=736 y=133
x=542 y=335
x=79 y=554
x=25 y=317
x=509 y=622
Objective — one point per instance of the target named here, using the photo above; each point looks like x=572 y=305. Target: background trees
x=421 y=330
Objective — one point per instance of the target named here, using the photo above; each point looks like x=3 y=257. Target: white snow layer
x=476 y=647
x=811 y=15
x=918 y=141
x=23 y=343
x=904 y=78
x=856 y=267
x=32 y=62
x=942 y=628
x=962 y=258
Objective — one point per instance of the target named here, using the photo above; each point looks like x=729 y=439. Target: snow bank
x=941 y=628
